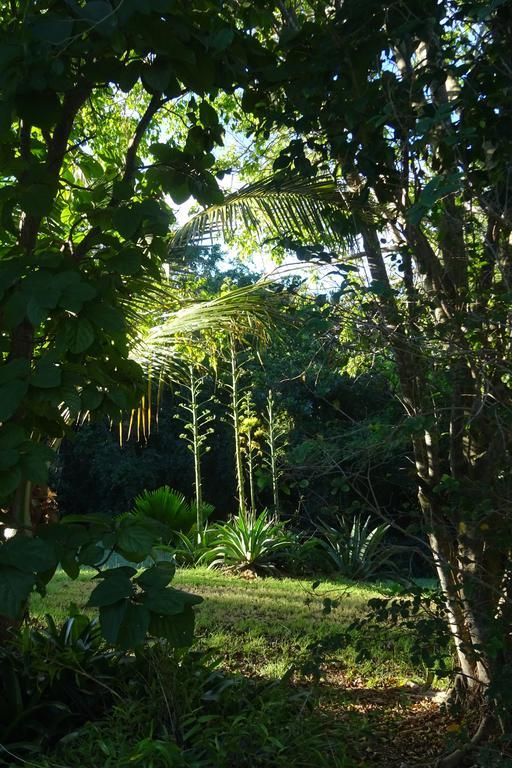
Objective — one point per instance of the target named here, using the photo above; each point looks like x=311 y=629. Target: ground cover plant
x=255 y=632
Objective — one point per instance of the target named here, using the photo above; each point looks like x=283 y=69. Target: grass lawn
x=258 y=629
x=258 y=626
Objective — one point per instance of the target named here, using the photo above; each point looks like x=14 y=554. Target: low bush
x=248 y=541
x=355 y=549
x=51 y=680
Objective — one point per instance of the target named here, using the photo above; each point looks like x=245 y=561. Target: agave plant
x=247 y=542
x=189 y=548
x=356 y=549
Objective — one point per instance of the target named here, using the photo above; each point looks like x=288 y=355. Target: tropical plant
x=355 y=548
x=247 y=542
x=198 y=418
x=170 y=508
x=51 y=680
x=189 y=548
x=275 y=445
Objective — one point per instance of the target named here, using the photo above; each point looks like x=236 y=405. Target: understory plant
x=51 y=679
x=170 y=508
x=247 y=542
x=355 y=548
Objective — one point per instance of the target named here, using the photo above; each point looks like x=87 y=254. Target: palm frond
x=243 y=311
x=281 y=206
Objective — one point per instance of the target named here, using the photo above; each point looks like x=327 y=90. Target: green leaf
x=124 y=624
x=135 y=541
x=111 y=618
x=41 y=108
x=37 y=199
x=115 y=586
x=107 y=317
x=134 y=627
x=170 y=601
x=79 y=335
x=11 y=395
x=91 y=398
x=15 y=369
x=11 y=435
x=14 y=310
x=157 y=76
x=15 y=587
x=127 y=220
x=35 y=461
x=157 y=577
x=75 y=295
x=8 y=458
x=100 y=16
x=222 y=39
x=91 y=554
x=28 y=554
x=9 y=481
x=177 y=630
x=51 y=28
x=436 y=189
x=47 y=374
x=70 y=565
x=128 y=262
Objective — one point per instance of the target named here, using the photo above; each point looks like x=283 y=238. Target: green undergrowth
x=262 y=626
x=253 y=691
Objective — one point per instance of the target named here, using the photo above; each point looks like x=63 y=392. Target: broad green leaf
x=170 y=601
x=51 y=28
x=111 y=618
x=79 y=334
x=157 y=76
x=124 y=624
x=157 y=577
x=91 y=399
x=37 y=199
x=114 y=587
x=100 y=15
x=28 y=554
x=134 y=627
x=9 y=481
x=11 y=395
x=106 y=316
x=135 y=541
x=14 y=369
x=35 y=461
x=11 y=435
x=47 y=373
x=91 y=554
x=75 y=295
x=177 y=630
x=9 y=457
x=70 y=565
x=14 y=310
x=127 y=219
x=15 y=587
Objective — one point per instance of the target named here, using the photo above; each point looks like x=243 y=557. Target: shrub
x=52 y=679
x=170 y=508
x=355 y=549
x=247 y=541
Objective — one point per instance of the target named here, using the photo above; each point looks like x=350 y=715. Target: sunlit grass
x=260 y=626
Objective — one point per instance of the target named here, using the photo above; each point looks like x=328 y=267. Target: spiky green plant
x=168 y=507
x=248 y=541
x=355 y=548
